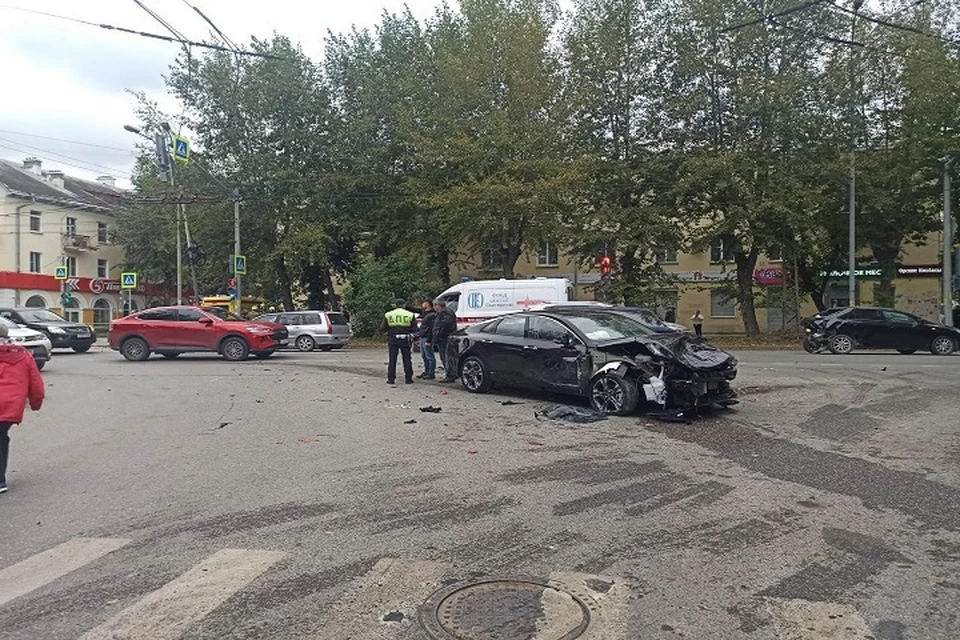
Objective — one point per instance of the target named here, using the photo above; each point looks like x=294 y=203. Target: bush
x=377 y=282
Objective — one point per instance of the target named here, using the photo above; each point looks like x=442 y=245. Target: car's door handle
x=528 y=347
x=487 y=341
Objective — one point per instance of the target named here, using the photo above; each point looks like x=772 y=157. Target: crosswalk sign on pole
x=128 y=280
x=181 y=149
x=240 y=265
x=60 y=273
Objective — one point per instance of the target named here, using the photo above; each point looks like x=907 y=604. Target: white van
x=478 y=300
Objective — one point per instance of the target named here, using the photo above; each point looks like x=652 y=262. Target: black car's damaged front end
x=680 y=372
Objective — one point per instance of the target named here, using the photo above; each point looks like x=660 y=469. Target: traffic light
x=66 y=297
x=605 y=265
x=232 y=287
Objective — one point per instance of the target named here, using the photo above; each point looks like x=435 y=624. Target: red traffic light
x=605 y=265
x=232 y=282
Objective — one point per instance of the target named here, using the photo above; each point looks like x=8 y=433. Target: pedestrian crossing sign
x=181 y=149
x=128 y=280
x=60 y=273
x=240 y=265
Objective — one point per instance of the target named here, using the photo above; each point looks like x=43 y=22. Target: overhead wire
x=155 y=36
x=46 y=154
x=77 y=142
x=893 y=25
x=776 y=14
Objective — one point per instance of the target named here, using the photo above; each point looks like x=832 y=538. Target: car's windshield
x=221 y=313
x=603 y=327
x=40 y=315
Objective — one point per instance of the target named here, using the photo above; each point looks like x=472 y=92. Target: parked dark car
x=63 y=334
x=882 y=328
x=603 y=355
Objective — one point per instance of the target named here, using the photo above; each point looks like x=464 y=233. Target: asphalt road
x=301 y=497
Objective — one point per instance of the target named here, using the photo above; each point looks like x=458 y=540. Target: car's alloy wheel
x=614 y=395
x=841 y=344
x=135 y=349
x=942 y=346
x=235 y=349
x=305 y=343
x=474 y=375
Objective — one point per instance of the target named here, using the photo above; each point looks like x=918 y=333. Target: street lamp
x=852 y=204
x=166 y=165
x=947 y=269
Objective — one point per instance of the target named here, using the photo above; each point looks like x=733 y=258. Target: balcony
x=74 y=242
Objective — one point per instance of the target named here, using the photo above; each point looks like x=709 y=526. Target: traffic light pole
x=947 y=270
x=236 y=246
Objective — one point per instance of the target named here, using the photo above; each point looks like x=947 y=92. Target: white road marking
x=171 y=610
x=392 y=585
x=806 y=620
x=42 y=568
x=611 y=595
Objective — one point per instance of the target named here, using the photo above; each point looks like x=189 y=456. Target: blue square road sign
x=128 y=280
x=60 y=273
x=240 y=265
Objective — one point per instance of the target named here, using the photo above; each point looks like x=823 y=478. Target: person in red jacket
x=20 y=382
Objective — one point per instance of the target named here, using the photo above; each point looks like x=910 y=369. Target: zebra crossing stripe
x=168 y=612
x=45 y=567
x=392 y=587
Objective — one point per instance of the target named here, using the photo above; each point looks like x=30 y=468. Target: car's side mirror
x=565 y=340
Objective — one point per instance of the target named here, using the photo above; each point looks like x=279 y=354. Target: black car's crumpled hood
x=690 y=351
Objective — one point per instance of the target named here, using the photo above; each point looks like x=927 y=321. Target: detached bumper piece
x=685 y=398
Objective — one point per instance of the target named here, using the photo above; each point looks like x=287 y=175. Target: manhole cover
x=505 y=610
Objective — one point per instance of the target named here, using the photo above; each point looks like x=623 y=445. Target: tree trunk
x=283 y=279
x=884 y=292
x=332 y=296
x=746 y=263
x=510 y=257
x=440 y=257
x=810 y=286
x=314 y=276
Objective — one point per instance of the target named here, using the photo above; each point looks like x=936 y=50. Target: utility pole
x=852 y=203
x=236 y=246
x=947 y=244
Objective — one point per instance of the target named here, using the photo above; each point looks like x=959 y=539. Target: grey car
x=311 y=330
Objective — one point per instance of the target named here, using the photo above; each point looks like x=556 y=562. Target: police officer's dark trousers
x=403 y=349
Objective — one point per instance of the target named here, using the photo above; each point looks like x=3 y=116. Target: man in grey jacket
x=443 y=326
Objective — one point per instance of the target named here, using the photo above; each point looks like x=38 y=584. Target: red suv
x=171 y=331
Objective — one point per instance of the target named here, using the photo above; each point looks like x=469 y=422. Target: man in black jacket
x=443 y=326
x=427 y=317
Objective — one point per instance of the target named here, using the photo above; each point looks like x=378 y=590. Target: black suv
x=880 y=328
x=62 y=333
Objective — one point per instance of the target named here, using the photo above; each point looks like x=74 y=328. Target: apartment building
x=49 y=219
x=704 y=281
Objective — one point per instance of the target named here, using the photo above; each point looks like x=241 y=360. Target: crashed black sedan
x=605 y=356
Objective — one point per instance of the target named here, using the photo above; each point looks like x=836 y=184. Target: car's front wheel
x=943 y=346
x=235 y=349
x=474 y=375
x=841 y=344
x=614 y=395
x=41 y=364
x=305 y=343
x=135 y=349
x=82 y=348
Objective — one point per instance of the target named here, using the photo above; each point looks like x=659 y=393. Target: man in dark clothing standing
x=443 y=326
x=20 y=382
x=427 y=317
x=400 y=325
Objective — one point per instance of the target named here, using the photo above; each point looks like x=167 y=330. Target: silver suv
x=311 y=330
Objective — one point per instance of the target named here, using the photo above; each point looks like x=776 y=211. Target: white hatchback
x=35 y=342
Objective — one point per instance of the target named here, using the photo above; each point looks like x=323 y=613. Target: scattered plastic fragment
x=471 y=451
x=431 y=409
x=566 y=414
x=510 y=403
x=409 y=422
x=308 y=440
x=443 y=392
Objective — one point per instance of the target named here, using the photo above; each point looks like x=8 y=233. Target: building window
x=71 y=264
x=35 y=221
x=36 y=302
x=491 y=260
x=102 y=268
x=722 y=304
x=721 y=250
x=71 y=226
x=35 y=266
x=102 y=233
x=667 y=256
x=547 y=255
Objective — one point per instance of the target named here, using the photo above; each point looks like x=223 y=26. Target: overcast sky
x=64 y=81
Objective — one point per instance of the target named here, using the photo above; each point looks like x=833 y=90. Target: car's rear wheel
x=41 y=364
x=82 y=349
x=841 y=344
x=263 y=355
x=474 y=375
x=235 y=349
x=305 y=343
x=614 y=395
x=943 y=346
x=170 y=354
x=135 y=349
x=906 y=352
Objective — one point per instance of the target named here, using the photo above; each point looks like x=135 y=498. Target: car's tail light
x=329 y=327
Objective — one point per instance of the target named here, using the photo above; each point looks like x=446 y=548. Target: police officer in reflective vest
x=400 y=325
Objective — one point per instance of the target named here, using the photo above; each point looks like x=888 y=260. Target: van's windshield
x=452 y=300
